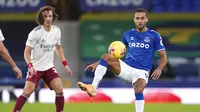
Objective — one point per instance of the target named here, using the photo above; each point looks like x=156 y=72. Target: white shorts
x=130 y=74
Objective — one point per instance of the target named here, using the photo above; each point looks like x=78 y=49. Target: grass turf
x=102 y=107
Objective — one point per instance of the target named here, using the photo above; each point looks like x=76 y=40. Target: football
x=117 y=49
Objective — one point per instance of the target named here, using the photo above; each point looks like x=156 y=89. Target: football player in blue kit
x=141 y=43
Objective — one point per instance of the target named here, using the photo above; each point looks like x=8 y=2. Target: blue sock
x=139 y=102
x=139 y=96
x=103 y=63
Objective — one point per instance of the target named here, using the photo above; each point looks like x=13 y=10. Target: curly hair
x=40 y=18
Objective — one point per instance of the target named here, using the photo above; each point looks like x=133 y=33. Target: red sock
x=20 y=102
x=59 y=102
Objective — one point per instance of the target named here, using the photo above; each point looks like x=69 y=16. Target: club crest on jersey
x=147 y=39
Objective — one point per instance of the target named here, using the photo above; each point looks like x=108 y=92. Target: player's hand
x=32 y=71
x=68 y=70
x=17 y=72
x=156 y=74
x=92 y=66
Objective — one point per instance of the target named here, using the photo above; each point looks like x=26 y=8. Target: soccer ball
x=117 y=49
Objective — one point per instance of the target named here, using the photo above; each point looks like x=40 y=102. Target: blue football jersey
x=141 y=47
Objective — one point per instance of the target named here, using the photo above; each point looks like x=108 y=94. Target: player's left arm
x=60 y=53
x=163 y=61
x=163 y=57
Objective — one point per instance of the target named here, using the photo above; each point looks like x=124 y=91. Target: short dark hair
x=141 y=10
x=40 y=18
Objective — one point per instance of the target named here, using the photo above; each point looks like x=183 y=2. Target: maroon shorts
x=47 y=76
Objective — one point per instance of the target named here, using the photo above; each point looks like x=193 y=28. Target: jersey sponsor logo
x=47 y=48
x=139 y=45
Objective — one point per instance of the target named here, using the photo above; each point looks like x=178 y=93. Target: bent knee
x=139 y=90
x=58 y=89
x=140 y=85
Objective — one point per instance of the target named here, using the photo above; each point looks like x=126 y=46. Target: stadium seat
x=186 y=71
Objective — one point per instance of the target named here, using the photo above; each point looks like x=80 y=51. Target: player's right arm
x=92 y=66
x=124 y=39
x=27 y=52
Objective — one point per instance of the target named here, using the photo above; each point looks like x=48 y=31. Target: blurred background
x=89 y=26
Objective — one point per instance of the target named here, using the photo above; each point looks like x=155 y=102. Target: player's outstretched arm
x=6 y=56
x=61 y=55
x=163 y=61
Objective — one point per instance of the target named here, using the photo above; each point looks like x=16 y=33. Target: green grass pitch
x=102 y=107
